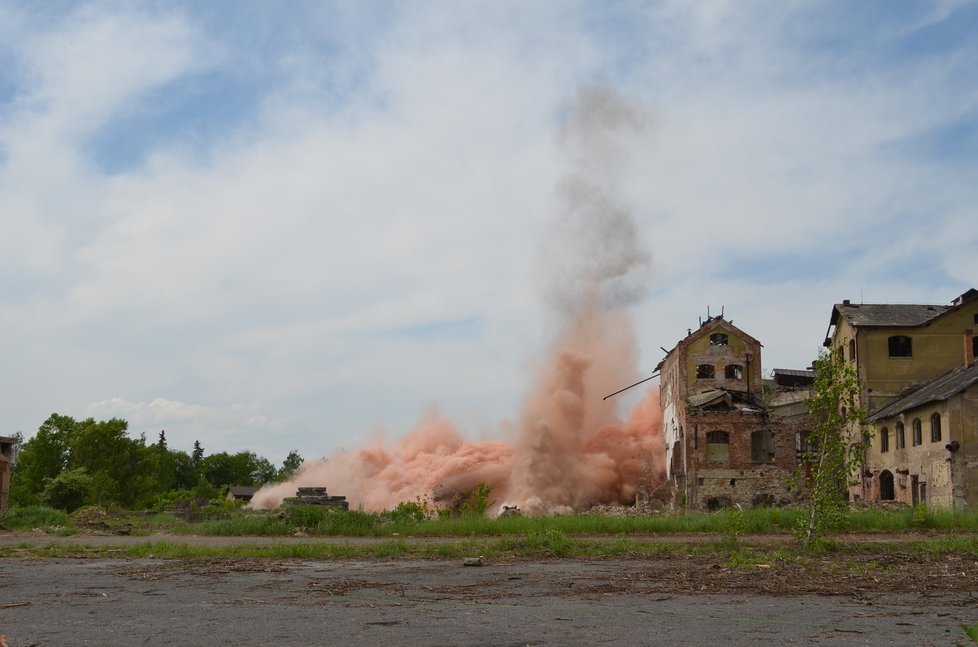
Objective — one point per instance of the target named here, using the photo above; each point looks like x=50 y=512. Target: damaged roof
x=951 y=383
x=710 y=397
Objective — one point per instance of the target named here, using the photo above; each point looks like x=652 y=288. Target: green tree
x=836 y=420
x=197 y=457
x=161 y=443
x=121 y=467
x=43 y=457
x=185 y=475
x=223 y=469
x=290 y=465
x=264 y=471
x=69 y=490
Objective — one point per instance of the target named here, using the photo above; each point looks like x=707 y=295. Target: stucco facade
x=902 y=353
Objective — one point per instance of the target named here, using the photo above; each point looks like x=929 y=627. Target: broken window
x=704 y=372
x=852 y=350
x=718 y=339
x=734 y=372
x=884 y=440
x=805 y=445
x=900 y=346
x=901 y=440
x=916 y=432
x=935 y=428
x=718 y=447
x=762 y=446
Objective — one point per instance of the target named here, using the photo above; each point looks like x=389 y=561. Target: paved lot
x=51 y=602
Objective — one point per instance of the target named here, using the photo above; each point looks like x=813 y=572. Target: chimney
x=969 y=348
x=846 y=302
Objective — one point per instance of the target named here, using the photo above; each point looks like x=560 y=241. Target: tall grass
x=36 y=517
x=314 y=520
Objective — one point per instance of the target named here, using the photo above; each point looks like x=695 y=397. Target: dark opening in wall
x=900 y=346
x=886 y=485
x=705 y=372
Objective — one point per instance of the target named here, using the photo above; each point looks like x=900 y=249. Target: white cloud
x=396 y=177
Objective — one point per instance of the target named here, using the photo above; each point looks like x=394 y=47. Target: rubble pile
x=317 y=496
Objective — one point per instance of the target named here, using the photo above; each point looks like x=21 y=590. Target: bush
x=69 y=490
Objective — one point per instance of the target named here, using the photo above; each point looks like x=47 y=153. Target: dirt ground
x=696 y=600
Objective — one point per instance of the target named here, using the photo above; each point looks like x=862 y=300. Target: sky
x=272 y=226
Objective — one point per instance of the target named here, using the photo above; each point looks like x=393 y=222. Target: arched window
x=916 y=432
x=886 y=485
x=704 y=372
x=718 y=339
x=734 y=372
x=901 y=438
x=935 y=428
x=900 y=346
x=884 y=440
x=718 y=447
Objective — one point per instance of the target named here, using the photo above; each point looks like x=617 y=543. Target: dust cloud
x=570 y=448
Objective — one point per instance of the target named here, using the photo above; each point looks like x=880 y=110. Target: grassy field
x=406 y=532
x=409 y=521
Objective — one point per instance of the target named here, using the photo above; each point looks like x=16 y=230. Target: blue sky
x=274 y=228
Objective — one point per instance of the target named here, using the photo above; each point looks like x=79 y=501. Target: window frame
x=719 y=339
x=737 y=368
x=884 y=440
x=701 y=373
x=899 y=346
x=918 y=436
x=935 y=429
x=901 y=435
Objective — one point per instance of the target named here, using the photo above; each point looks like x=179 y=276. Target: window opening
x=884 y=440
x=852 y=350
x=805 y=445
x=916 y=432
x=704 y=372
x=901 y=437
x=762 y=446
x=900 y=346
x=935 y=428
x=734 y=372
x=718 y=447
x=718 y=339
x=886 y=486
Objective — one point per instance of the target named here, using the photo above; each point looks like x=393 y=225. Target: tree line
x=71 y=463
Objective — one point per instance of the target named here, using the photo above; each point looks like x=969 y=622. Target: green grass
x=551 y=545
x=317 y=521
x=37 y=517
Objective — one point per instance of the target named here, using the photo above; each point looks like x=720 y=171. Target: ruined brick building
x=916 y=365
x=730 y=439
x=6 y=456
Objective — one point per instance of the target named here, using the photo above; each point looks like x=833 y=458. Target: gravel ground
x=677 y=600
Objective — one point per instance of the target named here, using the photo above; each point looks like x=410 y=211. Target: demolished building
x=730 y=439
